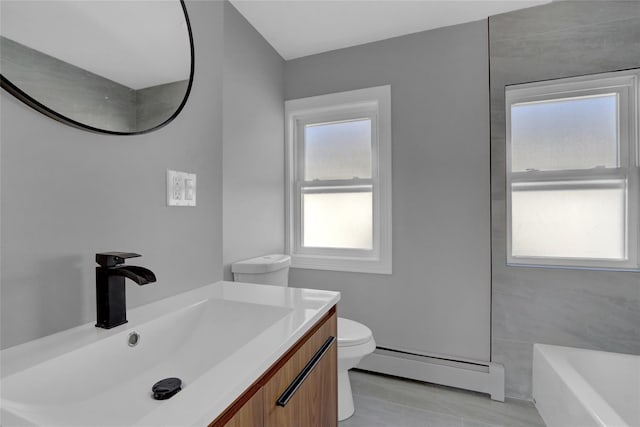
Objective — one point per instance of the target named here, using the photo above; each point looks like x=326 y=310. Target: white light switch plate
x=181 y=188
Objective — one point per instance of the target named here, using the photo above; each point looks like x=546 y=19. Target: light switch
x=181 y=188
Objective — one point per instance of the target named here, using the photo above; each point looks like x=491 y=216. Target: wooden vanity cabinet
x=248 y=414
x=299 y=390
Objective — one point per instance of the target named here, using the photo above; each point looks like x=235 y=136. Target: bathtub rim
x=557 y=358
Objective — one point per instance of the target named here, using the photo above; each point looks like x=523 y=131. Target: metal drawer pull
x=295 y=385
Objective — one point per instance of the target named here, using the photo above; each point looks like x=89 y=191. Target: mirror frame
x=7 y=85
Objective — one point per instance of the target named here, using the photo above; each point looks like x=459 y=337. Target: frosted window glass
x=337 y=150
x=587 y=223
x=578 y=133
x=338 y=220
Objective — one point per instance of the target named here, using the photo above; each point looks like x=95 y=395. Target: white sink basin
x=94 y=377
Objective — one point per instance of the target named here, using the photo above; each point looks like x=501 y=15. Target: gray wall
x=253 y=158
x=437 y=299
x=67 y=194
x=590 y=309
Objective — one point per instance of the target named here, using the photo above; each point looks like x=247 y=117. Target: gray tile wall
x=97 y=101
x=590 y=309
x=155 y=104
x=87 y=97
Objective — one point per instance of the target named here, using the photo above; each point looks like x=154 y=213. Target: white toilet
x=355 y=340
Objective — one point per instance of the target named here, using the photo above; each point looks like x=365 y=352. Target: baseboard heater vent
x=483 y=377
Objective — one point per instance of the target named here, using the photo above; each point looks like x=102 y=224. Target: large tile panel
x=593 y=309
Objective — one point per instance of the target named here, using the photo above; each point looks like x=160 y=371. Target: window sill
x=352 y=265
x=574 y=267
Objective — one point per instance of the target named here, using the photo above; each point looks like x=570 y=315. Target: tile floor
x=382 y=400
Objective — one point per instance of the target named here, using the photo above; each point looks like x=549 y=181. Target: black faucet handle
x=111 y=259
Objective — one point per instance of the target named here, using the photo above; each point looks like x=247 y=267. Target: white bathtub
x=583 y=388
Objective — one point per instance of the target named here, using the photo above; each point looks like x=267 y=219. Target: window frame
x=625 y=85
x=373 y=104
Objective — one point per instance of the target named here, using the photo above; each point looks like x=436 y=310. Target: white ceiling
x=297 y=28
x=137 y=43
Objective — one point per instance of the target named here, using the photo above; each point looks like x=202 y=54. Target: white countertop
x=280 y=316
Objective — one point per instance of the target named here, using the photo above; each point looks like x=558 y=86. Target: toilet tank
x=268 y=270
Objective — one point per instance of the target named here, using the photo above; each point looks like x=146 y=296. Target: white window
x=339 y=181
x=572 y=172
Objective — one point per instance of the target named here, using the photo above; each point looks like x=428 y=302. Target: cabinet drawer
x=299 y=390
x=314 y=402
x=248 y=415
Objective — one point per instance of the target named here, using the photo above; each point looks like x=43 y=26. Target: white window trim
x=625 y=83
x=375 y=103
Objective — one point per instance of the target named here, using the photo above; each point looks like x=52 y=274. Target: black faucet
x=111 y=304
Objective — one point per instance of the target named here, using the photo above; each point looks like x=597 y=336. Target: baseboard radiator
x=483 y=377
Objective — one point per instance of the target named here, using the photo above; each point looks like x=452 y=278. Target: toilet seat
x=351 y=333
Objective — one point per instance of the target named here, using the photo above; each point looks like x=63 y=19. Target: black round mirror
x=116 y=67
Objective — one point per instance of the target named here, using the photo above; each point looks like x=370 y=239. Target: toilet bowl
x=355 y=340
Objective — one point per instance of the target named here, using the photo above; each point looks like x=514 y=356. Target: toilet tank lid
x=262 y=264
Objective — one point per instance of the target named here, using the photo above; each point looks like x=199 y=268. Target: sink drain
x=166 y=388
